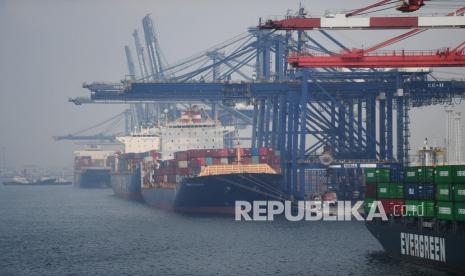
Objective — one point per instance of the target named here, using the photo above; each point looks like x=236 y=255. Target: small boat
x=43 y=181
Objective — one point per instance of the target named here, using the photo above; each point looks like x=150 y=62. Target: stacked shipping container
x=129 y=162
x=386 y=185
x=81 y=162
x=440 y=190
x=419 y=190
x=450 y=194
x=190 y=162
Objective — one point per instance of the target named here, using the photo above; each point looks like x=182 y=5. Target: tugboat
x=43 y=181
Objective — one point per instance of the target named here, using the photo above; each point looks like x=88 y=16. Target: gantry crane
x=298 y=112
x=370 y=58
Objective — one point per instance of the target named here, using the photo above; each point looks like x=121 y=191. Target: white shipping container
x=224 y=161
x=182 y=164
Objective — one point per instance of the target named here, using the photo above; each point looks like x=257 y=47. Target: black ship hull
x=127 y=185
x=215 y=194
x=424 y=246
x=92 y=178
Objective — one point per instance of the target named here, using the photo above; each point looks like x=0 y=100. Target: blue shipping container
x=426 y=191
x=396 y=175
x=410 y=191
x=209 y=161
x=254 y=152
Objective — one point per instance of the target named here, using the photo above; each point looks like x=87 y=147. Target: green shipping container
x=397 y=190
x=383 y=175
x=445 y=210
x=411 y=207
x=370 y=175
x=384 y=190
x=428 y=207
x=459 y=211
x=443 y=175
x=444 y=192
x=368 y=203
x=459 y=174
x=255 y=159
x=411 y=175
x=459 y=193
x=419 y=174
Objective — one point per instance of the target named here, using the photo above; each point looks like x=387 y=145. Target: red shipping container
x=201 y=153
x=263 y=160
x=180 y=156
x=371 y=190
x=182 y=171
x=215 y=153
x=231 y=152
x=155 y=154
x=223 y=153
x=201 y=161
x=245 y=152
x=263 y=151
x=388 y=205
x=191 y=154
x=397 y=207
x=216 y=161
x=273 y=159
x=392 y=206
x=208 y=153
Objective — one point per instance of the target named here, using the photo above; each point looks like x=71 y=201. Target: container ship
x=195 y=173
x=425 y=206
x=125 y=177
x=92 y=168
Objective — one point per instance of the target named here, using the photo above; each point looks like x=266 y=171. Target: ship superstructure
x=192 y=131
x=142 y=139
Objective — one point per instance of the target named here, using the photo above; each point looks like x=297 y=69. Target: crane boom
x=382 y=59
x=358 y=11
x=140 y=55
x=342 y=22
x=130 y=62
x=410 y=33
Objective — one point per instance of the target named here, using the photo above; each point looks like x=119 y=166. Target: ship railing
x=161 y=185
x=236 y=168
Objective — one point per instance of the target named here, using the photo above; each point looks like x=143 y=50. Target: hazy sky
x=49 y=48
